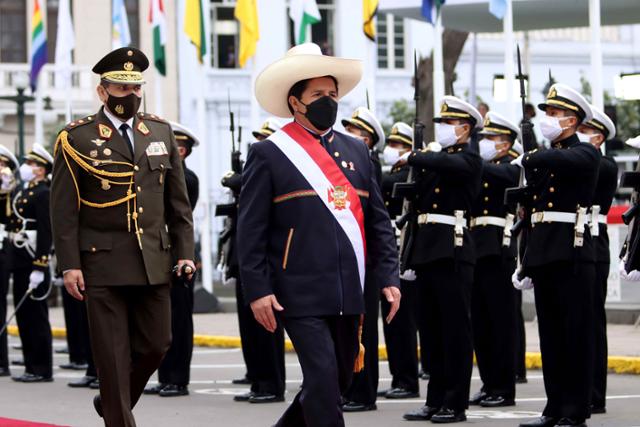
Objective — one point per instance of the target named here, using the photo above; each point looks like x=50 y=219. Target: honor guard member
x=559 y=258
x=443 y=256
x=596 y=132
x=8 y=167
x=173 y=373
x=309 y=202
x=29 y=250
x=361 y=395
x=121 y=215
x=493 y=299
x=400 y=335
x=263 y=351
x=363 y=125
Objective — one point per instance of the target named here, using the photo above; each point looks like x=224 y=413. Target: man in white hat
x=493 y=299
x=559 y=260
x=443 y=256
x=309 y=205
x=598 y=130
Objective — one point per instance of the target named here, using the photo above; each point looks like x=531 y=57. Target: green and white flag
x=159 y=25
x=303 y=13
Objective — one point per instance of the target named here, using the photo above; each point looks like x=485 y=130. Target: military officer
x=309 y=201
x=596 y=132
x=493 y=299
x=559 y=258
x=400 y=335
x=121 y=215
x=443 y=256
x=364 y=125
x=29 y=250
x=8 y=166
x=173 y=374
x=271 y=125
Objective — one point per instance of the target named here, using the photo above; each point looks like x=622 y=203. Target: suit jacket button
x=93 y=248
x=139 y=189
x=552 y=190
x=141 y=231
x=140 y=209
x=136 y=168
x=484 y=212
x=435 y=206
x=550 y=204
x=437 y=190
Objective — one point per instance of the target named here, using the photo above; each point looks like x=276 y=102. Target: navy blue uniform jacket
x=290 y=245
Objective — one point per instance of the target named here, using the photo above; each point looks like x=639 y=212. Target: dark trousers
x=364 y=386
x=175 y=367
x=262 y=350
x=327 y=348
x=599 y=394
x=33 y=324
x=564 y=304
x=130 y=330
x=77 y=325
x=494 y=321
x=4 y=289
x=444 y=295
x=421 y=323
x=521 y=339
x=401 y=339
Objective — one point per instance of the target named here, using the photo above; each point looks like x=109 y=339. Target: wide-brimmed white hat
x=302 y=62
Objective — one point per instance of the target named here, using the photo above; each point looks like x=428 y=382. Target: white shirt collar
x=115 y=120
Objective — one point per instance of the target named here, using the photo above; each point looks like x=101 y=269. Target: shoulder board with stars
x=80 y=122
x=147 y=116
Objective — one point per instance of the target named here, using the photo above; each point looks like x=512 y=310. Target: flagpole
x=597 y=96
x=39 y=128
x=438 y=69
x=157 y=87
x=509 y=70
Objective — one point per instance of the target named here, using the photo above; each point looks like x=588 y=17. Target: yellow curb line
x=617 y=364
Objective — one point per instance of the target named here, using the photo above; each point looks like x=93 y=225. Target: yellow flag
x=246 y=12
x=194 y=26
x=369 y=11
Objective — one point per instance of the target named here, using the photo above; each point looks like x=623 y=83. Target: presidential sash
x=329 y=183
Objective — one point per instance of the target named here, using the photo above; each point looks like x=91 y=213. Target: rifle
x=631 y=250
x=232 y=179
x=407 y=190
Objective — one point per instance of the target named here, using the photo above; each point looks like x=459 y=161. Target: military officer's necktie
x=124 y=128
x=324 y=141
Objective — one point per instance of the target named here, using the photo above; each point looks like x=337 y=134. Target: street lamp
x=21 y=81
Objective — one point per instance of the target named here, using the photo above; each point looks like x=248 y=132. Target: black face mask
x=124 y=107
x=322 y=112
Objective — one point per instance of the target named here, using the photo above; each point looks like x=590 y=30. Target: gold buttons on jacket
x=437 y=190
x=93 y=248
x=139 y=189
x=435 y=206
x=551 y=189
x=486 y=185
x=550 y=204
x=136 y=168
x=484 y=212
x=535 y=197
x=486 y=198
x=140 y=209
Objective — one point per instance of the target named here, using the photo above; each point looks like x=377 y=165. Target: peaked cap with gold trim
x=363 y=118
x=7 y=156
x=497 y=124
x=602 y=123
x=123 y=66
x=401 y=132
x=563 y=97
x=270 y=126
x=39 y=155
x=455 y=108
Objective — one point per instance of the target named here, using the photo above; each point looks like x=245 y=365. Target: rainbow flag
x=38 y=45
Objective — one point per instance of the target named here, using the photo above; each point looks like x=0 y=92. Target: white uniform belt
x=431 y=218
x=552 y=216
x=488 y=220
x=602 y=219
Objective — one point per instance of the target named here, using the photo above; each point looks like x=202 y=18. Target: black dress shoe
x=95 y=385
x=74 y=366
x=598 y=409
x=570 y=422
x=63 y=350
x=174 y=390
x=259 y=397
x=421 y=414
x=383 y=393
x=32 y=378
x=358 y=407
x=97 y=404
x=5 y=372
x=543 y=421
x=241 y=381
x=83 y=382
x=478 y=397
x=17 y=362
x=424 y=375
x=497 y=401
x=153 y=389
x=243 y=397
x=521 y=379
x=401 y=393
x=446 y=416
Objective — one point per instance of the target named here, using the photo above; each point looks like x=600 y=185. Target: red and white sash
x=328 y=181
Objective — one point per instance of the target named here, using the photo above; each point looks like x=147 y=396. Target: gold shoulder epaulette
x=514 y=153
x=80 y=122
x=147 y=116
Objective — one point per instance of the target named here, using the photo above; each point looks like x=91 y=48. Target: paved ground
x=210 y=402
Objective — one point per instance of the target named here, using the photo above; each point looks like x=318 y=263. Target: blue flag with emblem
x=431 y=8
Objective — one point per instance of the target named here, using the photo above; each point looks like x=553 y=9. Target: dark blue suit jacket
x=290 y=245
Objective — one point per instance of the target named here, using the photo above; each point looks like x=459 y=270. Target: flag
x=120 y=35
x=65 y=42
x=303 y=13
x=431 y=8
x=158 y=23
x=498 y=8
x=38 y=45
x=246 y=12
x=194 y=26
x=369 y=12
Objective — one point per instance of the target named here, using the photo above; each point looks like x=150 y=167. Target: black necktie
x=123 y=128
x=324 y=140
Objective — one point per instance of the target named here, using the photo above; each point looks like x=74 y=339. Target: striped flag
x=120 y=35
x=498 y=8
x=431 y=8
x=38 y=45
x=158 y=22
x=303 y=13
x=65 y=42
x=194 y=26
x=246 y=12
x=369 y=11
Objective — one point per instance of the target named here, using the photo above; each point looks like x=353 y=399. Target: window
x=322 y=32
x=224 y=36
x=133 y=16
x=391 y=40
x=13 y=31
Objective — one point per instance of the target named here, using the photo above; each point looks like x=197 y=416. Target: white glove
x=633 y=142
x=434 y=147
x=58 y=282
x=622 y=270
x=632 y=276
x=35 y=279
x=518 y=161
x=408 y=275
x=524 y=284
x=231 y=281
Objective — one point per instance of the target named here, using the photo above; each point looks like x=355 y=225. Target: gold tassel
x=359 y=365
